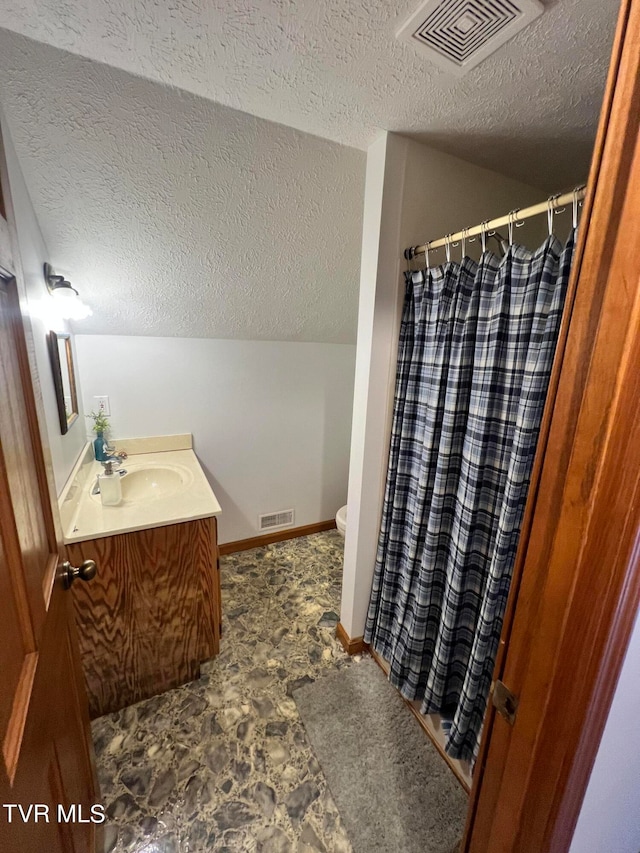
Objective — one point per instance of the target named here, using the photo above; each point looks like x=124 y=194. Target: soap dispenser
x=110 y=486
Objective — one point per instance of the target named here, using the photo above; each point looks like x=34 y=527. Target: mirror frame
x=53 y=340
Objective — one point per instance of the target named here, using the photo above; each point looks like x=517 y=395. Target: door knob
x=86 y=571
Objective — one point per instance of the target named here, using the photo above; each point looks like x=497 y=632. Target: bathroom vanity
x=152 y=612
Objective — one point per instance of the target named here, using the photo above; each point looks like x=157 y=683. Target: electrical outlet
x=102 y=405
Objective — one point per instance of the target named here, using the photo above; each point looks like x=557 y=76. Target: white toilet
x=341 y=519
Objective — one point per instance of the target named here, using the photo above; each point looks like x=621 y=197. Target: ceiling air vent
x=459 y=34
x=268 y=521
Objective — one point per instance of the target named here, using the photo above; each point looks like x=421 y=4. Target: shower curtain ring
x=463 y=241
x=483 y=234
x=550 y=208
x=426 y=256
x=575 y=207
x=512 y=214
x=447 y=247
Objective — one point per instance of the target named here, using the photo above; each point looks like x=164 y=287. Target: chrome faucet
x=116 y=457
x=114 y=460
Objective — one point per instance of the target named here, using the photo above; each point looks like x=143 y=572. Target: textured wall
x=33 y=253
x=335 y=68
x=176 y=216
x=271 y=421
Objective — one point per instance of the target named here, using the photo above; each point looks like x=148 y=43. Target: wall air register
x=458 y=34
x=273 y=520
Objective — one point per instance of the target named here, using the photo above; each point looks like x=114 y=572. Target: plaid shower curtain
x=475 y=353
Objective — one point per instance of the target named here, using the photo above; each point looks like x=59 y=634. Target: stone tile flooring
x=223 y=763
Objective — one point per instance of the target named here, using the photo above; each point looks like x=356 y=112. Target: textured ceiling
x=177 y=216
x=335 y=69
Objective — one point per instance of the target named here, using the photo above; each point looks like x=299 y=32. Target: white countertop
x=83 y=516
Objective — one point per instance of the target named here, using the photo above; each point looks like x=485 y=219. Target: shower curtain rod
x=553 y=203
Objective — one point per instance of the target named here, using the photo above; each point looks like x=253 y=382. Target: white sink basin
x=150 y=483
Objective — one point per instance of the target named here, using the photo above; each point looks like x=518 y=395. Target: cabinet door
x=151 y=615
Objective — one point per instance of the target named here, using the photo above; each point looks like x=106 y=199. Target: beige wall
x=442 y=194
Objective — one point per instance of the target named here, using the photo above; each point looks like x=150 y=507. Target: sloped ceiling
x=177 y=216
x=173 y=201
x=335 y=69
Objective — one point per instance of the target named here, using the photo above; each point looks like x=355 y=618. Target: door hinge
x=505 y=702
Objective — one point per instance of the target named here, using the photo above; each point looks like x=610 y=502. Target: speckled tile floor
x=223 y=763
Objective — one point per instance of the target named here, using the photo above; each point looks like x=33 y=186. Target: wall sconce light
x=69 y=306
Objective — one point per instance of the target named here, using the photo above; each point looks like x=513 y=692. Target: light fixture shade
x=68 y=305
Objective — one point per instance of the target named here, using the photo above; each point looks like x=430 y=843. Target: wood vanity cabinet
x=151 y=615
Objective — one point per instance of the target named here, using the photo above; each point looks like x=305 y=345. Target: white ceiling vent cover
x=270 y=520
x=458 y=34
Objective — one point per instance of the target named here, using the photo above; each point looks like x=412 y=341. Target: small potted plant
x=100 y=427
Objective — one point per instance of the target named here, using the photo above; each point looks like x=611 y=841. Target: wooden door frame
x=11 y=264
x=11 y=269
x=576 y=586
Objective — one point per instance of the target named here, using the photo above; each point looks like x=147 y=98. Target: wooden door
x=576 y=587
x=47 y=760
